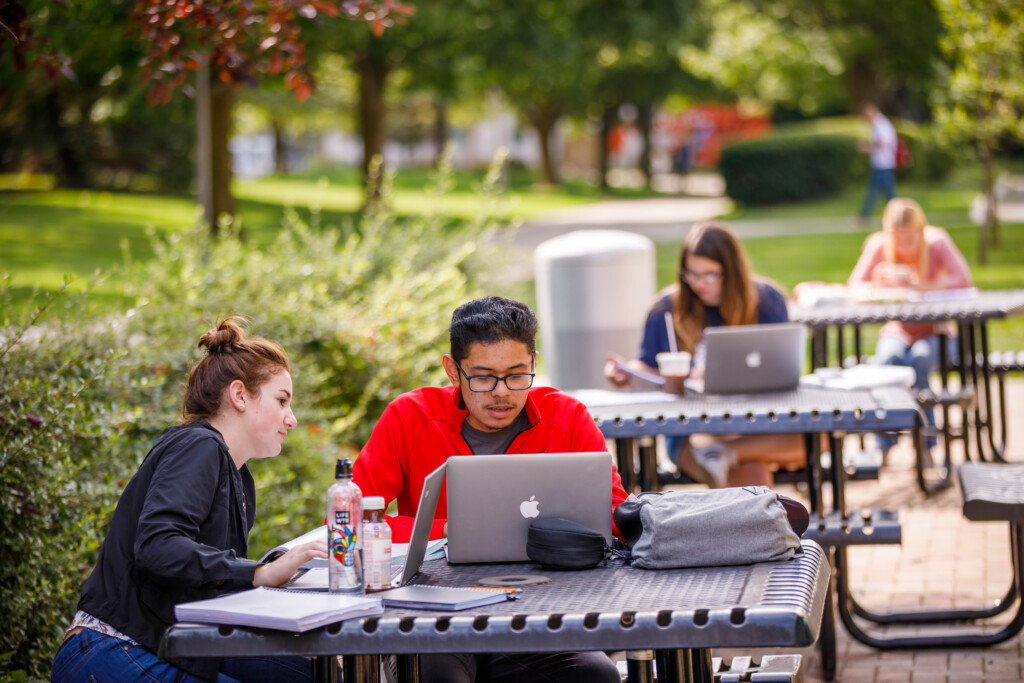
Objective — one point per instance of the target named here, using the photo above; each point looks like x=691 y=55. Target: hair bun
x=225 y=337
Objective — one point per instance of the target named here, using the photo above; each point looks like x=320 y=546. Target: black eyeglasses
x=519 y=381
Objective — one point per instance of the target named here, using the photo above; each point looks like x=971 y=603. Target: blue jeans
x=93 y=656
x=923 y=356
x=880 y=180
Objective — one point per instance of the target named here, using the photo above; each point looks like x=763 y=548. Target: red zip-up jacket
x=421 y=429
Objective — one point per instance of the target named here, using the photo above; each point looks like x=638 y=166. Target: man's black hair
x=489 y=320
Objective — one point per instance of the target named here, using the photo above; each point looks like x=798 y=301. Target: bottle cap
x=343 y=468
x=373 y=503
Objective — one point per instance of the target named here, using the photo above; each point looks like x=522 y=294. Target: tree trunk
x=859 y=83
x=440 y=127
x=543 y=118
x=989 y=233
x=645 y=116
x=215 y=100
x=608 y=118
x=373 y=74
x=280 y=148
x=70 y=169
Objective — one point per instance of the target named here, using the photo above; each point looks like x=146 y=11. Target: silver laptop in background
x=746 y=359
x=493 y=498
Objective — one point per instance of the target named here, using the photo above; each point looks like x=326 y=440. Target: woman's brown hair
x=230 y=355
x=738 y=306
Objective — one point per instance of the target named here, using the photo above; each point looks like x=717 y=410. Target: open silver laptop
x=402 y=573
x=493 y=498
x=743 y=359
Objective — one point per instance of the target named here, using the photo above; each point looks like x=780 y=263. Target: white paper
x=273 y=608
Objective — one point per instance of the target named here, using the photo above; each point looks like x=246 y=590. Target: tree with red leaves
x=229 y=43
x=243 y=39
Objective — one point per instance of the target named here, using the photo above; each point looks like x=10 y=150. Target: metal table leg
x=673 y=666
x=624 y=450
x=640 y=666
x=361 y=668
x=648 y=457
x=325 y=669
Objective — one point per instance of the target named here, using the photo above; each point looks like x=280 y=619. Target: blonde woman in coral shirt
x=910 y=253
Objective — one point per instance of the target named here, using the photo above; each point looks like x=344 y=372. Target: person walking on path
x=881 y=149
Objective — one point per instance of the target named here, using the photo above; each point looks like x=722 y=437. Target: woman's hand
x=284 y=567
x=613 y=371
x=893 y=275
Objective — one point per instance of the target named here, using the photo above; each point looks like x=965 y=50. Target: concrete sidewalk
x=944 y=561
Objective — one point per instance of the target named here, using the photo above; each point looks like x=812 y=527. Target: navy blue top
x=771 y=308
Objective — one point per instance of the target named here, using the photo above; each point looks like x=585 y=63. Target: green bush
x=787 y=169
x=362 y=311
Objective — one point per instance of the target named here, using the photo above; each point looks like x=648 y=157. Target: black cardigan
x=180 y=532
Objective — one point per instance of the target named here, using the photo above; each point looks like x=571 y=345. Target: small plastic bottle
x=376 y=545
x=344 y=544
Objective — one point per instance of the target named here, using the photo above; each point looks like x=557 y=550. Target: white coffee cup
x=674 y=367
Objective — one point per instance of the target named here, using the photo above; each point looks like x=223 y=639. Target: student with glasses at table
x=715 y=287
x=490 y=407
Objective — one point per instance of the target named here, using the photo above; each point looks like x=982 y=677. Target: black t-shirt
x=488 y=443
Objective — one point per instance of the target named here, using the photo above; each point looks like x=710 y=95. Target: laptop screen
x=754 y=358
x=493 y=498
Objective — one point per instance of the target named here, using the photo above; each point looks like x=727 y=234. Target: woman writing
x=909 y=253
x=715 y=287
x=180 y=529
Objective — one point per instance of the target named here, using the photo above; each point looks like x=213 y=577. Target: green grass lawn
x=47 y=234
x=789 y=260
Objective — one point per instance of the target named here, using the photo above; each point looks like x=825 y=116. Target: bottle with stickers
x=376 y=545
x=344 y=542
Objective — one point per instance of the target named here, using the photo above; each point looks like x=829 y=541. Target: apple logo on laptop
x=754 y=359
x=528 y=508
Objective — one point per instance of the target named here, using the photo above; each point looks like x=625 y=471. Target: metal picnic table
x=971 y=314
x=811 y=411
x=676 y=615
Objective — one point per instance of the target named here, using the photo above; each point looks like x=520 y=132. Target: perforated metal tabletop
x=614 y=607
x=802 y=410
x=985 y=306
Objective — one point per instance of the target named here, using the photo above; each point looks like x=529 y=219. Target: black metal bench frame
x=991 y=492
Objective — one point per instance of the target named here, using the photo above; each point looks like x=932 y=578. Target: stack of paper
x=280 y=609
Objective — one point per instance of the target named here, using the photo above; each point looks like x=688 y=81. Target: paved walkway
x=667 y=219
x=944 y=561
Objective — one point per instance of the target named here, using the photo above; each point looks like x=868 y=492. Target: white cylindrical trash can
x=594 y=288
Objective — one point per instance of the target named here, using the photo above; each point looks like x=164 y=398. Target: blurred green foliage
x=773 y=170
x=363 y=312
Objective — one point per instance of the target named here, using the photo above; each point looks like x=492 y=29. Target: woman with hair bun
x=180 y=530
x=715 y=287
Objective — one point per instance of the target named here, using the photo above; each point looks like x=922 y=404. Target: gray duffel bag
x=710 y=528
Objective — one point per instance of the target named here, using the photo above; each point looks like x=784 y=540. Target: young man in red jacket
x=490 y=407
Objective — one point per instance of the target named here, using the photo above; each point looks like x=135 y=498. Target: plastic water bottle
x=376 y=545
x=344 y=543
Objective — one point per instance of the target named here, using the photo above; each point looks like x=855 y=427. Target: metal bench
x=992 y=492
x=741 y=669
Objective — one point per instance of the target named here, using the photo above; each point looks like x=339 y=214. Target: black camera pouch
x=559 y=543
